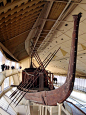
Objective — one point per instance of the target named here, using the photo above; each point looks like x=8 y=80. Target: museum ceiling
x=43 y=25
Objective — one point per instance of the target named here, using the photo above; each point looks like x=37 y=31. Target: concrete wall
x=26 y=63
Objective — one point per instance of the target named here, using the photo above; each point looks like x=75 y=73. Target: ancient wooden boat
x=51 y=96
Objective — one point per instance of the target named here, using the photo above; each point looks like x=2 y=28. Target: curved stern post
x=62 y=93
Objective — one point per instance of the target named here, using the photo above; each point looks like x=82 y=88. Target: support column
x=50 y=110
x=28 y=107
x=45 y=110
x=40 y=109
x=59 y=108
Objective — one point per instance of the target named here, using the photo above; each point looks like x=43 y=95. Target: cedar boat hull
x=52 y=97
x=58 y=95
x=62 y=93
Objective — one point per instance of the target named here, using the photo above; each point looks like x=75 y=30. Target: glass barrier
x=79 y=84
x=81 y=105
x=0 y=88
x=6 y=82
x=4 y=104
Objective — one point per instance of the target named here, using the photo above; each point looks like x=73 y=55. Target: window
x=0 y=66
x=7 y=62
x=11 y=80
x=0 y=61
x=17 y=65
x=79 y=84
x=6 y=82
x=60 y=79
x=0 y=88
x=13 y=63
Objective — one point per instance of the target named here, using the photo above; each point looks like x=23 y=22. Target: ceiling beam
x=4 y=2
x=12 y=5
x=78 y=75
x=72 y=1
x=44 y=14
x=56 y=1
x=23 y=12
x=24 y=16
x=54 y=20
x=36 y=32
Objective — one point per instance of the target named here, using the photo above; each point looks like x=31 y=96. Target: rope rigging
x=28 y=83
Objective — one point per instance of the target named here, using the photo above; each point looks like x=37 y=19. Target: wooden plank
x=11 y=5
x=21 y=11
x=4 y=2
x=18 y=22
x=19 y=17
